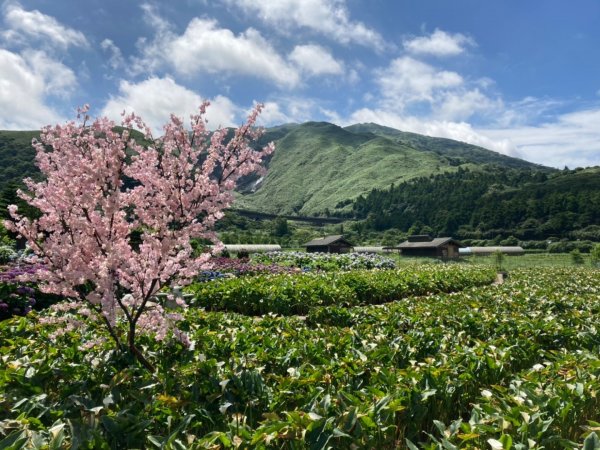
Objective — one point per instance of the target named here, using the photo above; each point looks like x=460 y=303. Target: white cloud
x=315 y=60
x=410 y=86
x=153 y=18
x=155 y=99
x=288 y=109
x=459 y=131
x=26 y=82
x=462 y=104
x=272 y=115
x=408 y=80
x=115 y=57
x=526 y=111
x=23 y=25
x=439 y=43
x=328 y=17
x=205 y=47
x=571 y=139
x=58 y=79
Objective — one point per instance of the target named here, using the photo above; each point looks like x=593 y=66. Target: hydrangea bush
x=327 y=261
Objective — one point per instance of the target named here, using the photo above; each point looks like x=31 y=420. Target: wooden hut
x=329 y=244
x=425 y=245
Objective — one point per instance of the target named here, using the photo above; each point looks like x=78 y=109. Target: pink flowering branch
x=182 y=182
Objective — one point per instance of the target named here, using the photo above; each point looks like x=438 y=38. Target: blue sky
x=520 y=78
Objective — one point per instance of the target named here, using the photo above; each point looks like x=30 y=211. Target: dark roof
x=434 y=243
x=420 y=238
x=327 y=240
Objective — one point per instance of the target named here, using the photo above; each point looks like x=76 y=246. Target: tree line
x=487 y=202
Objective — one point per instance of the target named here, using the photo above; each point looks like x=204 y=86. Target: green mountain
x=455 y=151
x=319 y=168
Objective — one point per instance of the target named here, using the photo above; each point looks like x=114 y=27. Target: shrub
x=595 y=256
x=576 y=257
x=7 y=254
x=289 y=294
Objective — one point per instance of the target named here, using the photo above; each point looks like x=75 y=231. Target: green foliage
x=509 y=366
x=498 y=260
x=595 y=256
x=489 y=202
x=17 y=156
x=7 y=254
x=454 y=151
x=319 y=166
x=577 y=257
x=280 y=227
x=299 y=293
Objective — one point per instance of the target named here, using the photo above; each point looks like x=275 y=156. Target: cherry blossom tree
x=117 y=216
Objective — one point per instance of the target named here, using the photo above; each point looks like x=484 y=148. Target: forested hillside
x=17 y=156
x=484 y=203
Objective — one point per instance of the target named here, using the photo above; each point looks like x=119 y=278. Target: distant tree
x=183 y=182
x=576 y=257
x=281 y=227
x=595 y=256
x=510 y=241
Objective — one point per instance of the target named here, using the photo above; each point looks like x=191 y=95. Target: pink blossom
x=182 y=181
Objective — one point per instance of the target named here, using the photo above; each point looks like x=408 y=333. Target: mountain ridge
x=318 y=168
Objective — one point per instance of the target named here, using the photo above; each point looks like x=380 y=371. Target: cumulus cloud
x=26 y=25
x=408 y=80
x=26 y=82
x=439 y=43
x=571 y=139
x=205 y=47
x=316 y=60
x=328 y=17
x=272 y=115
x=154 y=99
x=288 y=109
x=464 y=103
x=408 y=84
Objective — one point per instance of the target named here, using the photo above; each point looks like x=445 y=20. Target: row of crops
x=457 y=364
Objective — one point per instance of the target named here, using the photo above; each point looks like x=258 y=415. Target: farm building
x=483 y=251
x=329 y=244
x=425 y=245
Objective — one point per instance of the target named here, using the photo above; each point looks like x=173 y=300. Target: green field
x=514 y=365
x=528 y=260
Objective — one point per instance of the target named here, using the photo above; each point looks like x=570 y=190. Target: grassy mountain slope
x=318 y=166
x=461 y=152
